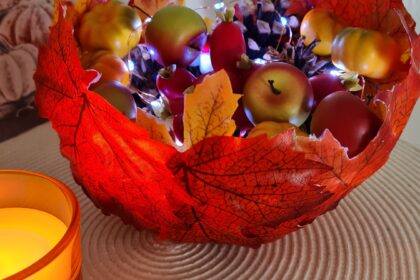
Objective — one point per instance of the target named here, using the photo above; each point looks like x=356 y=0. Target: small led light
x=205 y=63
x=283 y=21
x=147 y=20
x=219 y=6
x=260 y=61
x=152 y=52
x=178 y=143
x=130 y=65
x=335 y=73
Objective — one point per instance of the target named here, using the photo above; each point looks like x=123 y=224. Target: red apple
x=323 y=85
x=348 y=119
x=278 y=92
x=176 y=35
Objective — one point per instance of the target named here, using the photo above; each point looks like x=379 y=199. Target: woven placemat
x=373 y=234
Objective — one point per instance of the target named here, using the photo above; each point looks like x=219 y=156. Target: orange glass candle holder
x=41 y=216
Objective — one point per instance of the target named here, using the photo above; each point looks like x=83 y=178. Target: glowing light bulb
x=283 y=21
x=178 y=143
x=130 y=65
x=205 y=63
x=219 y=6
x=260 y=61
x=335 y=73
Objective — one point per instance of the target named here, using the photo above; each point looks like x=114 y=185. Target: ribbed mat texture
x=373 y=234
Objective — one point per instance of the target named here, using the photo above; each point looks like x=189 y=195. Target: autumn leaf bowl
x=222 y=189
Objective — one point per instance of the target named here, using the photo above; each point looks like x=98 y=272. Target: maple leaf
x=240 y=185
x=378 y=15
x=157 y=129
x=209 y=109
x=298 y=7
x=121 y=168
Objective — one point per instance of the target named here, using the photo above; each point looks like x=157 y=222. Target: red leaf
x=241 y=186
x=223 y=189
x=122 y=170
x=370 y=14
x=298 y=7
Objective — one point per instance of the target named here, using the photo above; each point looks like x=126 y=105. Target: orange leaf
x=209 y=109
x=112 y=157
x=378 y=15
x=247 y=191
x=157 y=129
x=74 y=9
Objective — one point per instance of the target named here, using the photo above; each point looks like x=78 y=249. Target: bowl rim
x=72 y=230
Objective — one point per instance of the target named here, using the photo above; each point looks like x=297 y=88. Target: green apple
x=278 y=92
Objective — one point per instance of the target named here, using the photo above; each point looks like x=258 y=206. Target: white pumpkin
x=6 y=4
x=17 y=67
x=28 y=22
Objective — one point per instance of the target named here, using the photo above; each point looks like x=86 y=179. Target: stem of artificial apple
x=141 y=10
x=168 y=71
x=274 y=90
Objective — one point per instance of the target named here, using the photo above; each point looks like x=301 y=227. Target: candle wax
x=26 y=235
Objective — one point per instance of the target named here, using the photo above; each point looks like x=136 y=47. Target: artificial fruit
x=227 y=43
x=120 y=97
x=278 y=92
x=366 y=52
x=322 y=25
x=110 y=26
x=323 y=85
x=348 y=118
x=109 y=65
x=172 y=82
x=176 y=35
